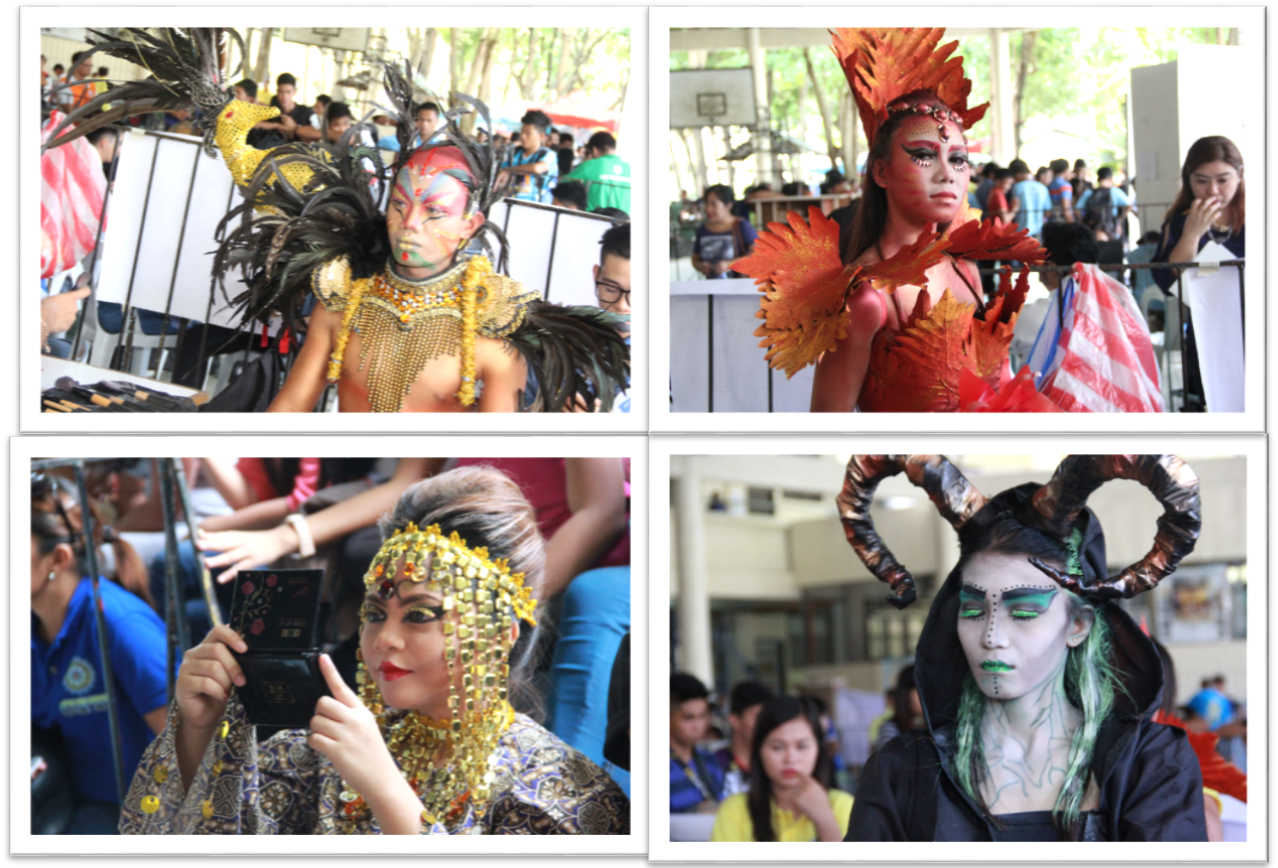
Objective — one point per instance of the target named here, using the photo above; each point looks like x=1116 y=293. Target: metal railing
x=173 y=490
x=1195 y=403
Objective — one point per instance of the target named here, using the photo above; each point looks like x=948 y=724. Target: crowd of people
x=561 y=523
x=772 y=779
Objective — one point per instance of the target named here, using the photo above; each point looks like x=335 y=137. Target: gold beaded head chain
x=446 y=762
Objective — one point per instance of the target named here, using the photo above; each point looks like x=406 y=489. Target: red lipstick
x=390 y=672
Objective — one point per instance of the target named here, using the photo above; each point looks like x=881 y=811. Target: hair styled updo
x=871 y=214
x=487 y=510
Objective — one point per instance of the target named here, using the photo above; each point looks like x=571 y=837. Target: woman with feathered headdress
x=892 y=315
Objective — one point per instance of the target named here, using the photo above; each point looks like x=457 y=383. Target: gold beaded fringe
x=447 y=762
x=403 y=330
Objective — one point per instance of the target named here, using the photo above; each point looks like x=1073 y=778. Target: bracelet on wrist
x=305 y=542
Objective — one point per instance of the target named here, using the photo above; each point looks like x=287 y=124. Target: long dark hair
x=775 y=713
x=1212 y=149
x=56 y=517
x=871 y=214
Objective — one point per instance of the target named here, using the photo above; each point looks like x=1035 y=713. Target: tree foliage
x=1076 y=82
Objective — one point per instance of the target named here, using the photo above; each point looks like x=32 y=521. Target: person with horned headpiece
x=433 y=742
x=413 y=316
x=893 y=317
x=1037 y=689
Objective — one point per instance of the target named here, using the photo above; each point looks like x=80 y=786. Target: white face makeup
x=1014 y=625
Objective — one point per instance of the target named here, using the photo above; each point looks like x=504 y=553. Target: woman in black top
x=1211 y=206
x=1036 y=689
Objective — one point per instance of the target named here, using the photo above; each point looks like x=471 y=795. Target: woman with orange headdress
x=894 y=318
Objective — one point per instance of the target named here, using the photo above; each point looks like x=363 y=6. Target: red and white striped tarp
x=73 y=186
x=1107 y=359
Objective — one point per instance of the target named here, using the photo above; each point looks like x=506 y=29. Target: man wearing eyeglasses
x=612 y=289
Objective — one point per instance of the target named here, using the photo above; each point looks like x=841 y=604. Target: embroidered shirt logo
x=79 y=677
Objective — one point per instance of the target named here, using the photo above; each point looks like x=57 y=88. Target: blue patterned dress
x=283 y=787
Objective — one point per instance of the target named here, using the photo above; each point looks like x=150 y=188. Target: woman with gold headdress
x=894 y=318
x=432 y=743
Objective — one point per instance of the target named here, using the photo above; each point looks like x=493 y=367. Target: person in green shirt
x=606 y=176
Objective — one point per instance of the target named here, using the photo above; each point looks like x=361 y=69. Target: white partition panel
x=162 y=218
x=576 y=254
x=552 y=250
x=723 y=312
x=689 y=345
x=531 y=232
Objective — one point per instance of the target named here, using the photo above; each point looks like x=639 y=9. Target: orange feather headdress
x=883 y=64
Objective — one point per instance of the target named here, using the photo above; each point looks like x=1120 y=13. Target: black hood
x=941 y=665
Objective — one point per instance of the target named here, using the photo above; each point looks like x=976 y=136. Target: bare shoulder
x=495 y=356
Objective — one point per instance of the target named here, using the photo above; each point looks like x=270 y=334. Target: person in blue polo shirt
x=696 y=781
x=67 y=688
x=532 y=167
x=1029 y=200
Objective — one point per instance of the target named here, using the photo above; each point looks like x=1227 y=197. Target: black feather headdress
x=481 y=158
x=279 y=234
x=186 y=73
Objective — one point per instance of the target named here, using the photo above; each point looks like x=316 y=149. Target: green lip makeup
x=996 y=666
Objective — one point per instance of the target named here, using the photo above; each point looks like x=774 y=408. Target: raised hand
x=246 y=549
x=1202 y=214
x=208 y=673
x=346 y=732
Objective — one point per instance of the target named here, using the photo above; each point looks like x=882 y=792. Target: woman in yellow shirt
x=790 y=797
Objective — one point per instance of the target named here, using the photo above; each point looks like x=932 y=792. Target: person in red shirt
x=997 y=204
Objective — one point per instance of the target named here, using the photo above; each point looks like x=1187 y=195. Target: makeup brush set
x=110 y=396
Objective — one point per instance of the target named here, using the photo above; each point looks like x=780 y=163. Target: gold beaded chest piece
x=404 y=325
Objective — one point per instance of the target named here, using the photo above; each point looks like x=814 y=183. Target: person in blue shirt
x=427 y=116
x=696 y=781
x=1212 y=705
x=1062 y=192
x=1029 y=200
x=68 y=692
x=532 y=168
x=1094 y=212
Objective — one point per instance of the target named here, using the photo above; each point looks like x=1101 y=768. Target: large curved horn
x=954 y=497
x=1166 y=476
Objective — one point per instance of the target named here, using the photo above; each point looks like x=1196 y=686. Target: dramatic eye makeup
x=923 y=153
x=971 y=602
x=414 y=612
x=1021 y=604
x=1026 y=604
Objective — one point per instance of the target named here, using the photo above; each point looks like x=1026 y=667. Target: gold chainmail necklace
x=447 y=762
x=403 y=325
